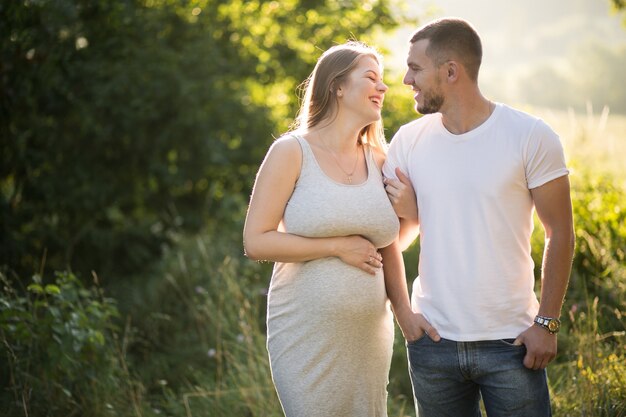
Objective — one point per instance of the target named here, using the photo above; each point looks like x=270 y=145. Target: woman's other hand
x=402 y=195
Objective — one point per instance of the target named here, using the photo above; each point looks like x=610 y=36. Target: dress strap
x=308 y=159
x=306 y=148
x=372 y=166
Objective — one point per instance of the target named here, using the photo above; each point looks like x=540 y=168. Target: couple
x=465 y=177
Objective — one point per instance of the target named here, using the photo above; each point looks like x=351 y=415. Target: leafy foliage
x=60 y=352
x=126 y=122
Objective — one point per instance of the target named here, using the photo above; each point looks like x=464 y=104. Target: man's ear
x=452 y=71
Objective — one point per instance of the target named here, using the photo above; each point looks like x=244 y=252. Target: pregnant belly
x=330 y=288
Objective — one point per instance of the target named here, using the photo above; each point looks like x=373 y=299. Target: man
x=466 y=177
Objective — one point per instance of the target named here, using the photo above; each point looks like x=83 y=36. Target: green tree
x=125 y=122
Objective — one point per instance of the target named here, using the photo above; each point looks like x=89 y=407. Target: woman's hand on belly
x=358 y=252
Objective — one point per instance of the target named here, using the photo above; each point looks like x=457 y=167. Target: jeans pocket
x=418 y=340
x=509 y=343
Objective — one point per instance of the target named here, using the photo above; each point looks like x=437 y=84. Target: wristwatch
x=550 y=323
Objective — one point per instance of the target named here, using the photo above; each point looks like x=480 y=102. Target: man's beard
x=432 y=103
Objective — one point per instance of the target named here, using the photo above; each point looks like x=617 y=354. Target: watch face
x=553 y=326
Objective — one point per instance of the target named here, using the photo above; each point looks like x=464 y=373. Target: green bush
x=61 y=356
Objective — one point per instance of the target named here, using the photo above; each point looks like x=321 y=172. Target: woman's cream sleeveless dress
x=329 y=324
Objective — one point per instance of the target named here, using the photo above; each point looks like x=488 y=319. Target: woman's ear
x=336 y=90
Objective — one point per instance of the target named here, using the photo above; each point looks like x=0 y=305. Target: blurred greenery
x=126 y=123
x=130 y=134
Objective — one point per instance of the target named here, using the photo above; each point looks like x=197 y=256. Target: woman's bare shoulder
x=286 y=145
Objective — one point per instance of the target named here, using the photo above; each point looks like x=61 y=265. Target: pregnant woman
x=320 y=212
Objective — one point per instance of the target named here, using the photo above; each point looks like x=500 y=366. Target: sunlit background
x=559 y=53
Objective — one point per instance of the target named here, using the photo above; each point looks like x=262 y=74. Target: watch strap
x=552 y=324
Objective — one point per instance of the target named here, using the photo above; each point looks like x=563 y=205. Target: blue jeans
x=449 y=378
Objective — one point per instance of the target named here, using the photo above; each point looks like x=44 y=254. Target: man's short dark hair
x=452 y=39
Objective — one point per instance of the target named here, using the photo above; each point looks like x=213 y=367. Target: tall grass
x=201 y=345
x=590 y=377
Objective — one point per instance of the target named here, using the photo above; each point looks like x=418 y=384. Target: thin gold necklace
x=356 y=161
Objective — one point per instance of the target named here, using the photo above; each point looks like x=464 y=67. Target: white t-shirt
x=475 y=209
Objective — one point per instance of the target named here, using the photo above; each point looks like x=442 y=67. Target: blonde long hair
x=320 y=100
